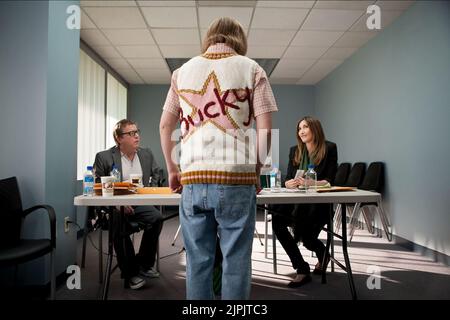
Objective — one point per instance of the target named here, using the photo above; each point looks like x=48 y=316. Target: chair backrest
x=341 y=174
x=10 y=212
x=374 y=178
x=356 y=175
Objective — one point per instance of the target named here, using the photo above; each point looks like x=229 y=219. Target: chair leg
x=259 y=237
x=157 y=256
x=353 y=220
x=338 y=217
x=367 y=220
x=384 y=221
x=157 y=244
x=85 y=233
x=52 y=276
x=274 y=248
x=266 y=226
x=100 y=255
x=176 y=235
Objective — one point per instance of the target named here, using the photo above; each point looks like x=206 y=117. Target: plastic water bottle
x=116 y=174
x=275 y=179
x=88 y=182
x=311 y=179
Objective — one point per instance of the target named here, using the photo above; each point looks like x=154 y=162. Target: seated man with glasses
x=130 y=159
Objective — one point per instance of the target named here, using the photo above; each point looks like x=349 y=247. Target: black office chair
x=13 y=249
x=356 y=175
x=101 y=223
x=373 y=181
x=100 y=215
x=354 y=180
x=342 y=174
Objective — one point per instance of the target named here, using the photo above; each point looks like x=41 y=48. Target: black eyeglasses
x=132 y=133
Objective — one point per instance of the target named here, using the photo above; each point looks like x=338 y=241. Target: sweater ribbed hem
x=218 y=177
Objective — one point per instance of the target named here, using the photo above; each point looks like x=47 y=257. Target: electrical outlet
x=66 y=224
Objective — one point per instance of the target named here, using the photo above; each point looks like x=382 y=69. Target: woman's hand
x=293 y=183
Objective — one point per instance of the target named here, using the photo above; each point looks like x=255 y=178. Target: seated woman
x=307 y=220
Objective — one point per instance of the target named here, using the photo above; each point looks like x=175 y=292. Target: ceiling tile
x=265 y=51
x=108 y=3
x=354 y=39
x=292 y=68
x=130 y=76
x=331 y=20
x=265 y=18
x=316 y=38
x=139 y=51
x=294 y=52
x=343 y=5
x=155 y=76
x=227 y=3
x=394 y=5
x=176 y=36
x=93 y=37
x=117 y=63
x=269 y=37
x=339 y=53
x=387 y=17
x=286 y=4
x=149 y=73
x=106 y=52
x=147 y=63
x=121 y=37
x=86 y=22
x=155 y=80
x=319 y=71
x=154 y=3
x=170 y=17
x=116 y=17
x=274 y=80
x=185 y=51
x=208 y=14
x=308 y=81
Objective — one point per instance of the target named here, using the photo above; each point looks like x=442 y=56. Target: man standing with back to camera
x=216 y=96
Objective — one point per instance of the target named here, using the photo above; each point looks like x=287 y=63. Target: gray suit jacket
x=105 y=160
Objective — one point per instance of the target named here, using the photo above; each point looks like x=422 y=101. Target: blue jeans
x=227 y=211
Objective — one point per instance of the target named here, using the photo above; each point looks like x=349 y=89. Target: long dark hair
x=318 y=153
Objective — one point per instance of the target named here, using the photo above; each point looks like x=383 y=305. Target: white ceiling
x=311 y=38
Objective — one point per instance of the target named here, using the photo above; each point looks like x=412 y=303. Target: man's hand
x=175 y=181
x=258 y=178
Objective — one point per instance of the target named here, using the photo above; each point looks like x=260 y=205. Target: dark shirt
x=326 y=170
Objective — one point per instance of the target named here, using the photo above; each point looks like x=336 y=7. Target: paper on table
x=281 y=190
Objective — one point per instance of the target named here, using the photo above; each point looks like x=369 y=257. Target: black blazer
x=326 y=170
x=104 y=161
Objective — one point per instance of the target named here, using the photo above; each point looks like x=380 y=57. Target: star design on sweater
x=212 y=105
